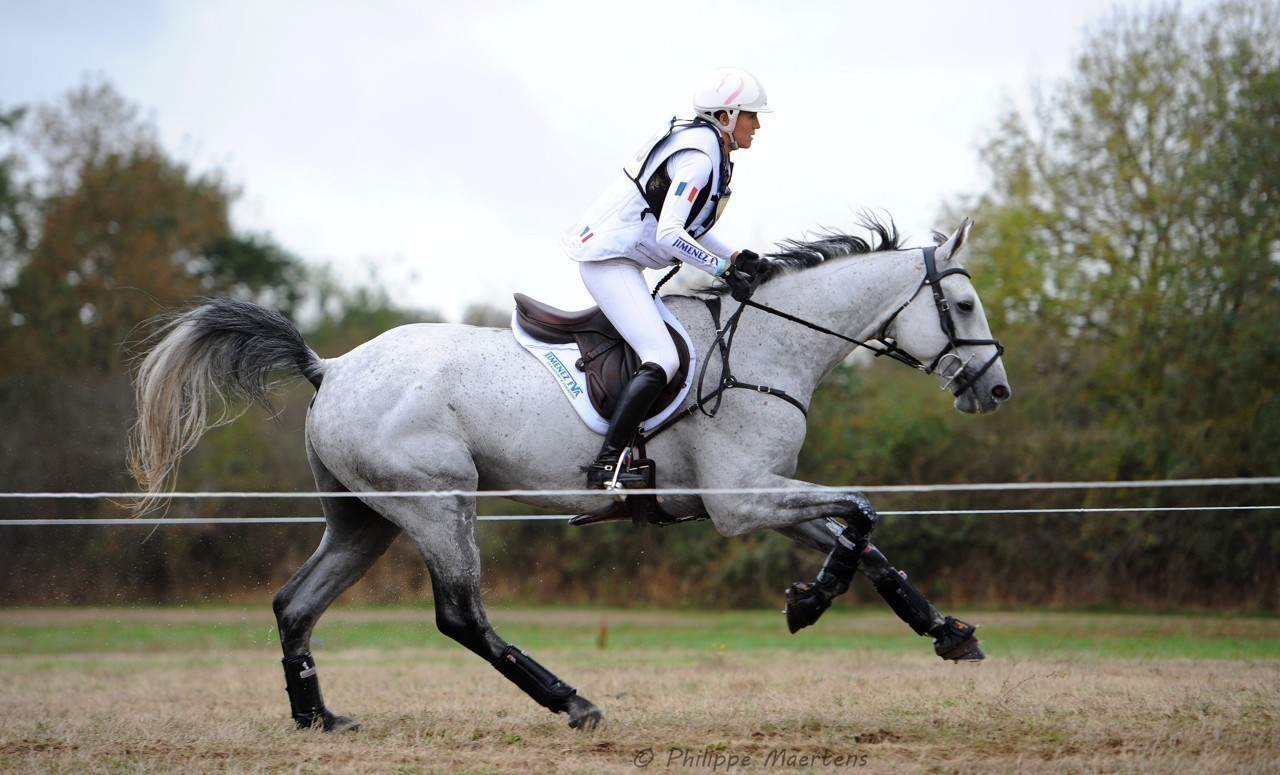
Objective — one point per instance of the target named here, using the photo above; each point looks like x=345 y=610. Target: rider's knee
x=666 y=359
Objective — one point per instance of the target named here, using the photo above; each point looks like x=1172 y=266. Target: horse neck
x=852 y=296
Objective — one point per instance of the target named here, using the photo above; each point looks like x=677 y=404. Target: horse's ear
x=949 y=249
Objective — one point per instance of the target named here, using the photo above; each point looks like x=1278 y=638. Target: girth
x=606 y=359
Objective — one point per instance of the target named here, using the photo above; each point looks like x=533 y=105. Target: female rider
x=660 y=212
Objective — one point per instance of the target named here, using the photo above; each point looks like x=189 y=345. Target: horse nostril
x=1000 y=393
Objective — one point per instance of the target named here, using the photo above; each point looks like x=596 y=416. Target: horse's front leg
x=809 y=515
x=846 y=543
x=953 y=639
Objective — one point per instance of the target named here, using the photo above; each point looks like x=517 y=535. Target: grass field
x=200 y=690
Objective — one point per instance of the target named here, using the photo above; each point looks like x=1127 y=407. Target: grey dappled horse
x=464 y=409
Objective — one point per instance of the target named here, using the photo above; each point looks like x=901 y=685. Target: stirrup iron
x=621 y=476
x=619 y=466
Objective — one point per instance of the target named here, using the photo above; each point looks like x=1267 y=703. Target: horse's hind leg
x=953 y=639
x=355 y=537
x=447 y=542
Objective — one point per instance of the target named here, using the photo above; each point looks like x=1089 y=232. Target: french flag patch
x=586 y=234
x=682 y=186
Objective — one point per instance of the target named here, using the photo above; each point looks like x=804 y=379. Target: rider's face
x=744 y=131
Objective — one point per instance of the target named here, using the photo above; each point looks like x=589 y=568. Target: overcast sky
x=443 y=147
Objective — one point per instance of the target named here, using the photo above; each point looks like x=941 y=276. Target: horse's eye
x=965 y=306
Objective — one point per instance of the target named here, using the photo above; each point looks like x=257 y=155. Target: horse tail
x=206 y=367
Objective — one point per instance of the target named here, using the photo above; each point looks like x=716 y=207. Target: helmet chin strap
x=728 y=130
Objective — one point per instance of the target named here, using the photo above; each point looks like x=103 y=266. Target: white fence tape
x=918 y=488
x=906 y=488
x=565 y=517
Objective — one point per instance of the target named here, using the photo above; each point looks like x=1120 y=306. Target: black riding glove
x=741 y=285
x=748 y=261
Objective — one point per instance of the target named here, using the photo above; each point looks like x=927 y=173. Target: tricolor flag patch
x=682 y=187
x=586 y=234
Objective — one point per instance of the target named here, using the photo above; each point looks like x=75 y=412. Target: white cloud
x=448 y=144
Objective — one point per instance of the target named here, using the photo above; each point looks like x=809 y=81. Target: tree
x=1134 y=223
x=99 y=230
x=486 y=315
x=15 y=203
x=253 y=268
x=1128 y=256
x=124 y=230
x=130 y=234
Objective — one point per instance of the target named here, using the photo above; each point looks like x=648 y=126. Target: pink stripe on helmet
x=741 y=85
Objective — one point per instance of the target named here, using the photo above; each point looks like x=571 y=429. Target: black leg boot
x=305 y=700
x=634 y=403
x=807 y=601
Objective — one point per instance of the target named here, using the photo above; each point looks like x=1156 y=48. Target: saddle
x=607 y=360
x=609 y=364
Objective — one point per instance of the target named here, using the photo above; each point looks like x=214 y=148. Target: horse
x=436 y=413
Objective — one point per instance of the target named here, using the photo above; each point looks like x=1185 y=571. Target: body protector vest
x=655 y=189
x=622 y=223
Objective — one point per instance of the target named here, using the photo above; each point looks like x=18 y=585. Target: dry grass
x=438 y=709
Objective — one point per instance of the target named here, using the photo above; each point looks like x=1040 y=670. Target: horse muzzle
x=984 y=394
x=979 y=390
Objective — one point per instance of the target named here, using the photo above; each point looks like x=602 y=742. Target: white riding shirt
x=621 y=223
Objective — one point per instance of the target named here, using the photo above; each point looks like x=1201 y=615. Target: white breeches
x=619 y=287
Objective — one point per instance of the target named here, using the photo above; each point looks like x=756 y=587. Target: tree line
x=1127 y=252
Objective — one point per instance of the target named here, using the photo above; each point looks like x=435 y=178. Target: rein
x=882 y=345
x=724 y=343
x=886 y=345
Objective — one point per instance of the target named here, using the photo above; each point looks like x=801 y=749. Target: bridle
x=883 y=344
x=949 y=353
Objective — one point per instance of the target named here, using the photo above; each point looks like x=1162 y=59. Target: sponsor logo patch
x=695 y=252
x=567 y=381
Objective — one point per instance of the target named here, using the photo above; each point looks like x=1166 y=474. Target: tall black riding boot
x=634 y=403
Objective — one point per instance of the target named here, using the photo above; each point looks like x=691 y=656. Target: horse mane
x=795 y=255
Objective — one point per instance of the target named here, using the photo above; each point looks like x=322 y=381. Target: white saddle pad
x=561 y=360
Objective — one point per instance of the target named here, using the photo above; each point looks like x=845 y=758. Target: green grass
x=108 y=636
x=169 y=689
x=1007 y=635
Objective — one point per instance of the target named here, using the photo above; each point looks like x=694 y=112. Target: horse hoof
x=805 y=603
x=584 y=716
x=343 y=724
x=330 y=722
x=957 y=642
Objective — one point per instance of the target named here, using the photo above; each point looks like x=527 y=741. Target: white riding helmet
x=730 y=90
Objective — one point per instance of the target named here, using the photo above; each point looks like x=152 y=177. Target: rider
x=659 y=213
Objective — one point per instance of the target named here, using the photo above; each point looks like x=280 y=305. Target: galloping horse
x=462 y=409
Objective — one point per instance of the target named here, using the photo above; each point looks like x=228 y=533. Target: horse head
x=950 y=338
